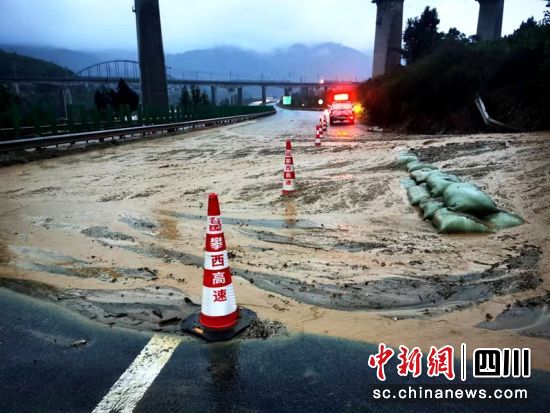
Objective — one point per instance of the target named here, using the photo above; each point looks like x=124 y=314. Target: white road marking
x=134 y=382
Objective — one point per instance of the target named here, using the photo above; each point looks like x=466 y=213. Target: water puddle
x=312 y=373
x=288 y=222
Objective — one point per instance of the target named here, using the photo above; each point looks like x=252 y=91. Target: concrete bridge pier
x=239 y=96
x=489 y=23
x=387 y=39
x=213 y=95
x=151 y=54
x=264 y=95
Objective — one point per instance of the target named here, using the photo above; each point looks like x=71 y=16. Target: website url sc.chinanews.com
x=448 y=392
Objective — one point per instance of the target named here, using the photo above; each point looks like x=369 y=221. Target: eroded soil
x=116 y=233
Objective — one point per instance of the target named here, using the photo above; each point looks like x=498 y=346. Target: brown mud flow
x=116 y=233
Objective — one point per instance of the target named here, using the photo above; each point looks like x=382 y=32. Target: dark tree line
x=115 y=98
x=421 y=36
x=193 y=98
x=435 y=91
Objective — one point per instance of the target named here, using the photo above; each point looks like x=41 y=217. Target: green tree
x=8 y=100
x=103 y=98
x=195 y=95
x=455 y=35
x=185 y=98
x=204 y=99
x=125 y=95
x=421 y=36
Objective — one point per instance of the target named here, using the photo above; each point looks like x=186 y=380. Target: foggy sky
x=255 y=24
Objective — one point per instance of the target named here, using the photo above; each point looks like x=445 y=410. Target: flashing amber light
x=358 y=109
x=341 y=96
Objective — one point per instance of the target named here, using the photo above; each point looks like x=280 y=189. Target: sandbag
x=437 y=174
x=407 y=182
x=404 y=159
x=429 y=206
x=420 y=175
x=439 y=183
x=448 y=222
x=502 y=220
x=413 y=166
x=417 y=193
x=468 y=199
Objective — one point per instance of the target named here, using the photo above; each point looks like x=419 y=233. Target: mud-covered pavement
x=116 y=233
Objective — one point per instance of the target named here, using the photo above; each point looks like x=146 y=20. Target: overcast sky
x=255 y=24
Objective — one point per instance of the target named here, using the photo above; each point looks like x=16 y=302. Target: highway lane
x=122 y=209
x=42 y=372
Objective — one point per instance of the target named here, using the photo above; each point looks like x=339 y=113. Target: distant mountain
x=25 y=65
x=71 y=59
x=325 y=60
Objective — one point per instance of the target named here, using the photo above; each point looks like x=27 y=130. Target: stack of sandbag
x=417 y=194
x=439 y=181
x=406 y=157
x=452 y=206
x=449 y=222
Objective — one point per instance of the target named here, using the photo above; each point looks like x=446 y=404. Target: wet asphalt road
x=41 y=372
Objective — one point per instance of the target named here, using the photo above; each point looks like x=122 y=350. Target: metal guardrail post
x=487 y=119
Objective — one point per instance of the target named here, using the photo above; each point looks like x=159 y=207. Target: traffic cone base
x=193 y=325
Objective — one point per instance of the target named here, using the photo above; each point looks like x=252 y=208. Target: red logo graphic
x=411 y=361
x=440 y=361
x=380 y=359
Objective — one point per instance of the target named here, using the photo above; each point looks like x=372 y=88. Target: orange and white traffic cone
x=321 y=130
x=219 y=307
x=324 y=123
x=289 y=177
x=317 y=136
x=219 y=318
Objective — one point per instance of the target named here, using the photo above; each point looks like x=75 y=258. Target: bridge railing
x=44 y=122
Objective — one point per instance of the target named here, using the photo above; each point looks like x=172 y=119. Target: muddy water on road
x=346 y=256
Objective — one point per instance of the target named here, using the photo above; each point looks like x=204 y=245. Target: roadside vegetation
x=193 y=98
x=115 y=98
x=444 y=72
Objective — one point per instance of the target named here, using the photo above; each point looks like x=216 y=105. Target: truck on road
x=341 y=112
